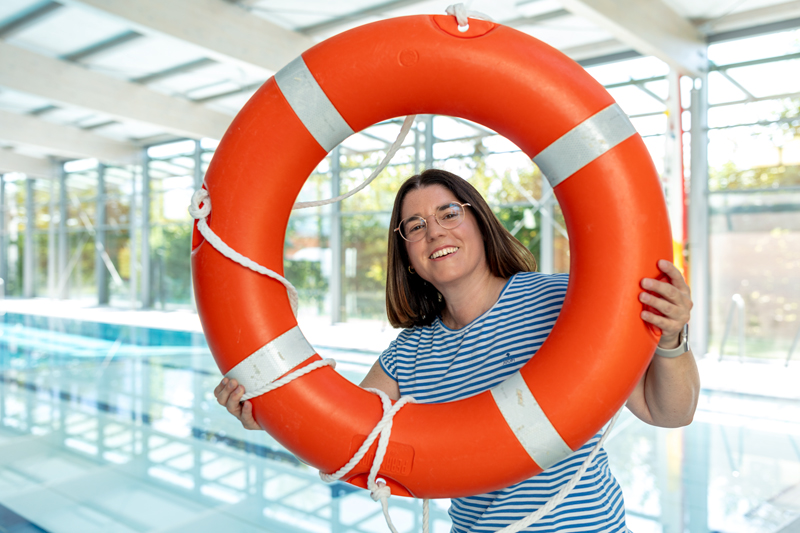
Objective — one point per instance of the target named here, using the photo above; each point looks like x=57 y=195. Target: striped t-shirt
x=436 y=364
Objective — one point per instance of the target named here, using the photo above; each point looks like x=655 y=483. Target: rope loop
x=462 y=15
x=197 y=211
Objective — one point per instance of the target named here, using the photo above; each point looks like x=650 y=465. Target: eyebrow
x=448 y=204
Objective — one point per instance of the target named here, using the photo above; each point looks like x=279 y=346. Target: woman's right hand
x=229 y=394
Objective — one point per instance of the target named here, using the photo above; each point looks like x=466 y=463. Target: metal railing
x=737 y=307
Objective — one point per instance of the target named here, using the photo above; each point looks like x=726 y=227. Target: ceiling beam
x=73 y=85
x=741 y=21
x=64 y=141
x=31 y=166
x=227 y=32
x=650 y=27
x=376 y=10
x=28 y=17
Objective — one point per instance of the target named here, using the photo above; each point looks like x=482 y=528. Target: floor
x=106 y=426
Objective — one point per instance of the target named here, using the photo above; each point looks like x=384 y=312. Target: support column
x=63 y=242
x=28 y=258
x=546 y=241
x=147 y=293
x=100 y=270
x=698 y=219
x=3 y=234
x=52 y=240
x=198 y=165
x=198 y=183
x=417 y=147
x=429 y=141
x=673 y=178
x=335 y=240
x=132 y=229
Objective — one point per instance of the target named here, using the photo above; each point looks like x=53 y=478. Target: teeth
x=444 y=251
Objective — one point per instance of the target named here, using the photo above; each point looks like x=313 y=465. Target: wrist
x=669 y=349
x=669 y=342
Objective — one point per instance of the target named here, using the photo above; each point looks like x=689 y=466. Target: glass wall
x=125 y=235
x=754 y=164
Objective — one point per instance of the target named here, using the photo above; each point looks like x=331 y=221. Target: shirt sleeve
x=388 y=360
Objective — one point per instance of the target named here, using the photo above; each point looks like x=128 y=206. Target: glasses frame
x=397 y=229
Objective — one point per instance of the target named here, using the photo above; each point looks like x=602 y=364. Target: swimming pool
x=115 y=428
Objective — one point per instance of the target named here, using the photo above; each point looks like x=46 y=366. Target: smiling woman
x=485 y=250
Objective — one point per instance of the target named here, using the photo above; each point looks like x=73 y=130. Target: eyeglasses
x=448 y=216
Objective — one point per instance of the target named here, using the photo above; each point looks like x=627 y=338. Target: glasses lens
x=450 y=216
x=413 y=229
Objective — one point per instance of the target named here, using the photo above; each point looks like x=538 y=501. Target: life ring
x=604 y=180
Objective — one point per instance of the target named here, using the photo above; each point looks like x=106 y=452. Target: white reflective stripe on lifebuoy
x=311 y=105
x=584 y=143
x=529 y=423
x=272 y=360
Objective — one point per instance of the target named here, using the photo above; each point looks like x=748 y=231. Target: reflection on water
x=115 y=428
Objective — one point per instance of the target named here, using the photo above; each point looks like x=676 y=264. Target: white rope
x=379 y=490
x=200 y=213
x=407 y=123
x=553 y=502
x=289 y=378
x=460 y=12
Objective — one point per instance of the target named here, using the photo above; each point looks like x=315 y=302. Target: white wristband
x=682 y=348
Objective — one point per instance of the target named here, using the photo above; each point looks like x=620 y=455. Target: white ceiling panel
x=149 y=54
x=11 y=8
x=291 y=14
x=566 y=31
x=238 y=75
x=67 y=30
x=235 y=35
x=620 y=71
x=771 y=45
x=19 y=102
x=74 y=116
x=714 y=9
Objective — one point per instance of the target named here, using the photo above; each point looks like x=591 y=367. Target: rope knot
x=200 y=196
x=381 y=492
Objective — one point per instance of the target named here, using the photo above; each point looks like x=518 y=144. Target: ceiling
x=102 y=78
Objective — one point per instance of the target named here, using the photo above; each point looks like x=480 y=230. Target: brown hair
x=410 y=300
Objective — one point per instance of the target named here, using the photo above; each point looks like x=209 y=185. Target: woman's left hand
x=672 y=299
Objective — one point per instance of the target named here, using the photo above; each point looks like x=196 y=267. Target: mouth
x=443 y=252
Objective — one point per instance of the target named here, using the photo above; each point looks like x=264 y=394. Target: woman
x=474 y=311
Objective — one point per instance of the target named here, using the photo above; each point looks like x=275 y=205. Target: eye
x=414 y=226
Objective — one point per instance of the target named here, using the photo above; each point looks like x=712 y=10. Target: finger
x=248 y=421
x=667 y=326
x=218 y=389
x=234 y=401
x=666 y=290
x=672 y=271
x=666 y=308
x=225 y=394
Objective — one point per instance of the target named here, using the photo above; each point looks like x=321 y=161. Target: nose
x=434 y=228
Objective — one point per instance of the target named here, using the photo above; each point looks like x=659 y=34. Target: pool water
x=115 y=428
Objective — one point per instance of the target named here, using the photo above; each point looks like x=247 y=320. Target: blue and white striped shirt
x=436 y=364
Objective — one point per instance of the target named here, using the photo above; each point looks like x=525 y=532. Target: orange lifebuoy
x=603 y=178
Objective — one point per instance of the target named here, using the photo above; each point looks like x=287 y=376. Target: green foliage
x=307 y=278
x=171 y=247
x=786 y=130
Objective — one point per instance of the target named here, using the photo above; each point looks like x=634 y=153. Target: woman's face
x=444 y=256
